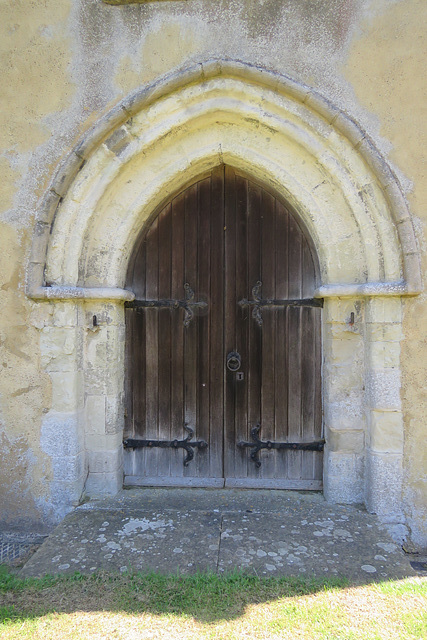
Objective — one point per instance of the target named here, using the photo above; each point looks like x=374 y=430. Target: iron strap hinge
x=131 y=443
x=258 y=303
x=188 y=304
x=257 y=444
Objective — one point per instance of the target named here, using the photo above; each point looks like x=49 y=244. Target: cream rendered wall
x=65 y=63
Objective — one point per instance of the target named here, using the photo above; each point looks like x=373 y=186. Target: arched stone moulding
x=293 y=141
x=232 y=93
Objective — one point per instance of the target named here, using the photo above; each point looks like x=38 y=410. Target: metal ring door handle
x=234 y=361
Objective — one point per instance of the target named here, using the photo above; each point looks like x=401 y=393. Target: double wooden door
x=223 y=343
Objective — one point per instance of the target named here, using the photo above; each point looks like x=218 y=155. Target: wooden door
x=212 y=275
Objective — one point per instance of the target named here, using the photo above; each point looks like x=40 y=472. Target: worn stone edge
x=81 y=293
x=366 y=290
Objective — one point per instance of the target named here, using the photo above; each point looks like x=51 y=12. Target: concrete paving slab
x=342 y=542
x=138 y=540
x=189 y=530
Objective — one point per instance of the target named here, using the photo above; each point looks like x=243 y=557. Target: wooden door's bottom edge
x=142 y=481
x=274 y=483
x=228 y=483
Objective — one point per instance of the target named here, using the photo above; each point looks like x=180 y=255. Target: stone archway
x=300 y=146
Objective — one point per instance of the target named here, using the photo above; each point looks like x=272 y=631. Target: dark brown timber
x=252 y=270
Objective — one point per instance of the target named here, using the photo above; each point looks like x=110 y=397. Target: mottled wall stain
x=9 y=179
x=34 y=68
x=165 y=47
x=17 y=505
x=35 y=83
x=24 y=388
x=305 y=39
x=313 y=23
x=387 y=68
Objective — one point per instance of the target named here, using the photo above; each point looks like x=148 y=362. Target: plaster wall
x=64 y=65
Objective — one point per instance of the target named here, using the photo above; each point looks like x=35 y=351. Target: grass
x=208 y=606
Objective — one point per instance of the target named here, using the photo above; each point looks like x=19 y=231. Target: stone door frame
x=293 y=140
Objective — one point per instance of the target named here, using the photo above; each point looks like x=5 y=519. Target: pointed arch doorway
x=223 y=374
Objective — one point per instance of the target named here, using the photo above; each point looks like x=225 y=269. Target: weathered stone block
x=114 y=414
x=66 y=174
x=40 y=241
x=383 y=389
x=58 y=348
x=384 y=355
x=342 y=383
x=348 y=414
x=67 y=390
x=119 y=140
x=384 y=485
x=107 y=379
x=65 y=314
x=109 y=442
x=107 y=313
x=386 y=432
x=41 y=315
x=69 y=468
x=376 y=331
x=347 y=441
x=103 y=484
x=341 y=330
x=387 y=310
x=64 y=496
x=344 y=352
x=95 y=414
x=343 y=477
x=105 y=461
x=62 y=435
x=35 y=273
x=339 y=310
x=104 y=360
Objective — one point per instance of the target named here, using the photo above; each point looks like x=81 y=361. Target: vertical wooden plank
x=307 y=270
x=255 y=332
x=216 y=322
x=164 y=332
x=203 y=293
x=242 y=325
x=308 y=363
x=177 y=331
x=230 y=319
x=130 y=344
x=149 y=457
x=190 y=332
x=308 y=388
x=135 y=348
x=139 y=368
x=294 y=347
x=268 y=254
x=281 y=356
x=135 y=371
x=318 y=417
